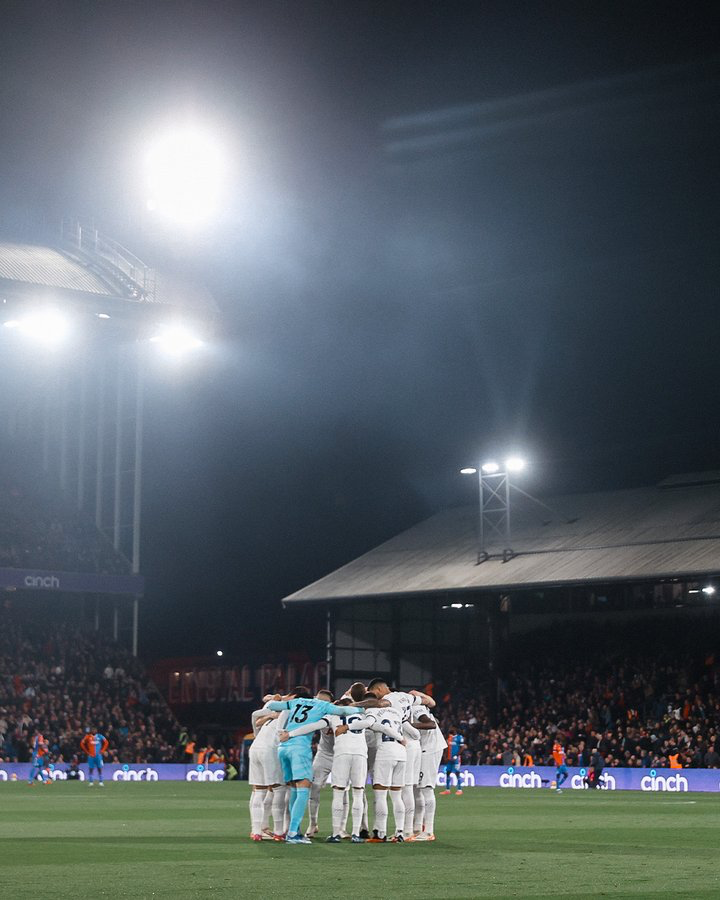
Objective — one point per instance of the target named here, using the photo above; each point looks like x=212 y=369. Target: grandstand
x=71 y=492
x=420 y=606
x=642 y=690
x=75 y=418
x=60 y=678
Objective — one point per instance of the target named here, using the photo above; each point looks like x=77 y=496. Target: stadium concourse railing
x=536 y=777
x=139 y=279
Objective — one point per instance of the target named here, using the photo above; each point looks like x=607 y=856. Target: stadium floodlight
x=490 y=467
x=468 y=470
x=45 y=326
x=219 y=652
x=514 y=464
x=708 y=590
x=185 y=171
x=176 y=340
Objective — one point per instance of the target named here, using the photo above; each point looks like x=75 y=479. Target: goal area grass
x=179 y=840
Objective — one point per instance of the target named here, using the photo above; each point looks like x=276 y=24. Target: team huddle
x=392 y=736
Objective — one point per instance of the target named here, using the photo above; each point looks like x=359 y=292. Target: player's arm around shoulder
x=307 y=728
x=424 y=699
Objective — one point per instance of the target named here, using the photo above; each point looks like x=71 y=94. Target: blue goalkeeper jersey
x=304 y=710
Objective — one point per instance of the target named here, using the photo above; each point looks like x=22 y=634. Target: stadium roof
x=92 y=270
x=644 y=534
x=30 y=264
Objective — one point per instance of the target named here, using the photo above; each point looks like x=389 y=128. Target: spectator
x=51 y=681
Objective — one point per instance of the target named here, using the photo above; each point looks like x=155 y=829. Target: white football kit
x=403 y=703
x=350 y=759
x=413 y=750
x=390 y=757
x=323 y=761
x=433 y=746
x=264 y=767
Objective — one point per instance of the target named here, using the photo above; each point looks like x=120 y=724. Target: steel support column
x=117 y=493
x=137 y=486
x=100 y=445
x=329 y=649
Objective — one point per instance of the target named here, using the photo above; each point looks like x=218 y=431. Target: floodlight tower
x=494 y=505
x=83 y=318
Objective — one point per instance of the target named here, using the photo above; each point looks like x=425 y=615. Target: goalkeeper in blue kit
x=295 y=753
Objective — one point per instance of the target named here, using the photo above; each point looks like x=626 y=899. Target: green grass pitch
x=186 y=840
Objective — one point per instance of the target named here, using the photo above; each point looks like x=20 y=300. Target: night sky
x=452 y=229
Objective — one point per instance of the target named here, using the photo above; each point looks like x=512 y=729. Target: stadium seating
x=60 y=680
x=644 y=691
x=38 y=530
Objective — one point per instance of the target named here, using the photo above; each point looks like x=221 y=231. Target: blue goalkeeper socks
x=297 y=809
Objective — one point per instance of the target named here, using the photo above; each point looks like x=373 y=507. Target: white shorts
x=429 y=765
x=412 y=766
x=264 y=766
x=349 y=770
x=389 y=769
x=322 y=767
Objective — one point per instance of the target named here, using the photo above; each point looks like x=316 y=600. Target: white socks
x=430 y=803
x=366 y=806
x=279 y=809
x=267 y=807
x=314 y=803
x=358 y=796
x=338 y=810
x=381 y=812
x=257 y=808
x=409 y=803
x=398 y=810
x=419 y=809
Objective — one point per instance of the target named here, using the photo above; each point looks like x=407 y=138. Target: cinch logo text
x=520 y=780
x=135 y=775
x=664 y=783
x=42 y=581
x=205 y=775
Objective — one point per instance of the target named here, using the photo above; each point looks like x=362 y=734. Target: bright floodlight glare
x=468 y=470
x=47 y=327
x=514 y=464
x=185 y=171
x=490 y=468
x=709 y=590
x=176 y=340
x=219 y=652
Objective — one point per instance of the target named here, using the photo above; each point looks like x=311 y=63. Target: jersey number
x=386 y=737
x=301 y=713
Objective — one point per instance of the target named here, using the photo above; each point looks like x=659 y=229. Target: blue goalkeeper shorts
x=295 y=762
x=95 y=762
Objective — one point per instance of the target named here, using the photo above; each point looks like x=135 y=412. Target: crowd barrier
x=124 y=772
x=672 y=780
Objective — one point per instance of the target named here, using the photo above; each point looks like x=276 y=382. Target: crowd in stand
x=39 y=531
x=61 y=681
x=648 y=695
